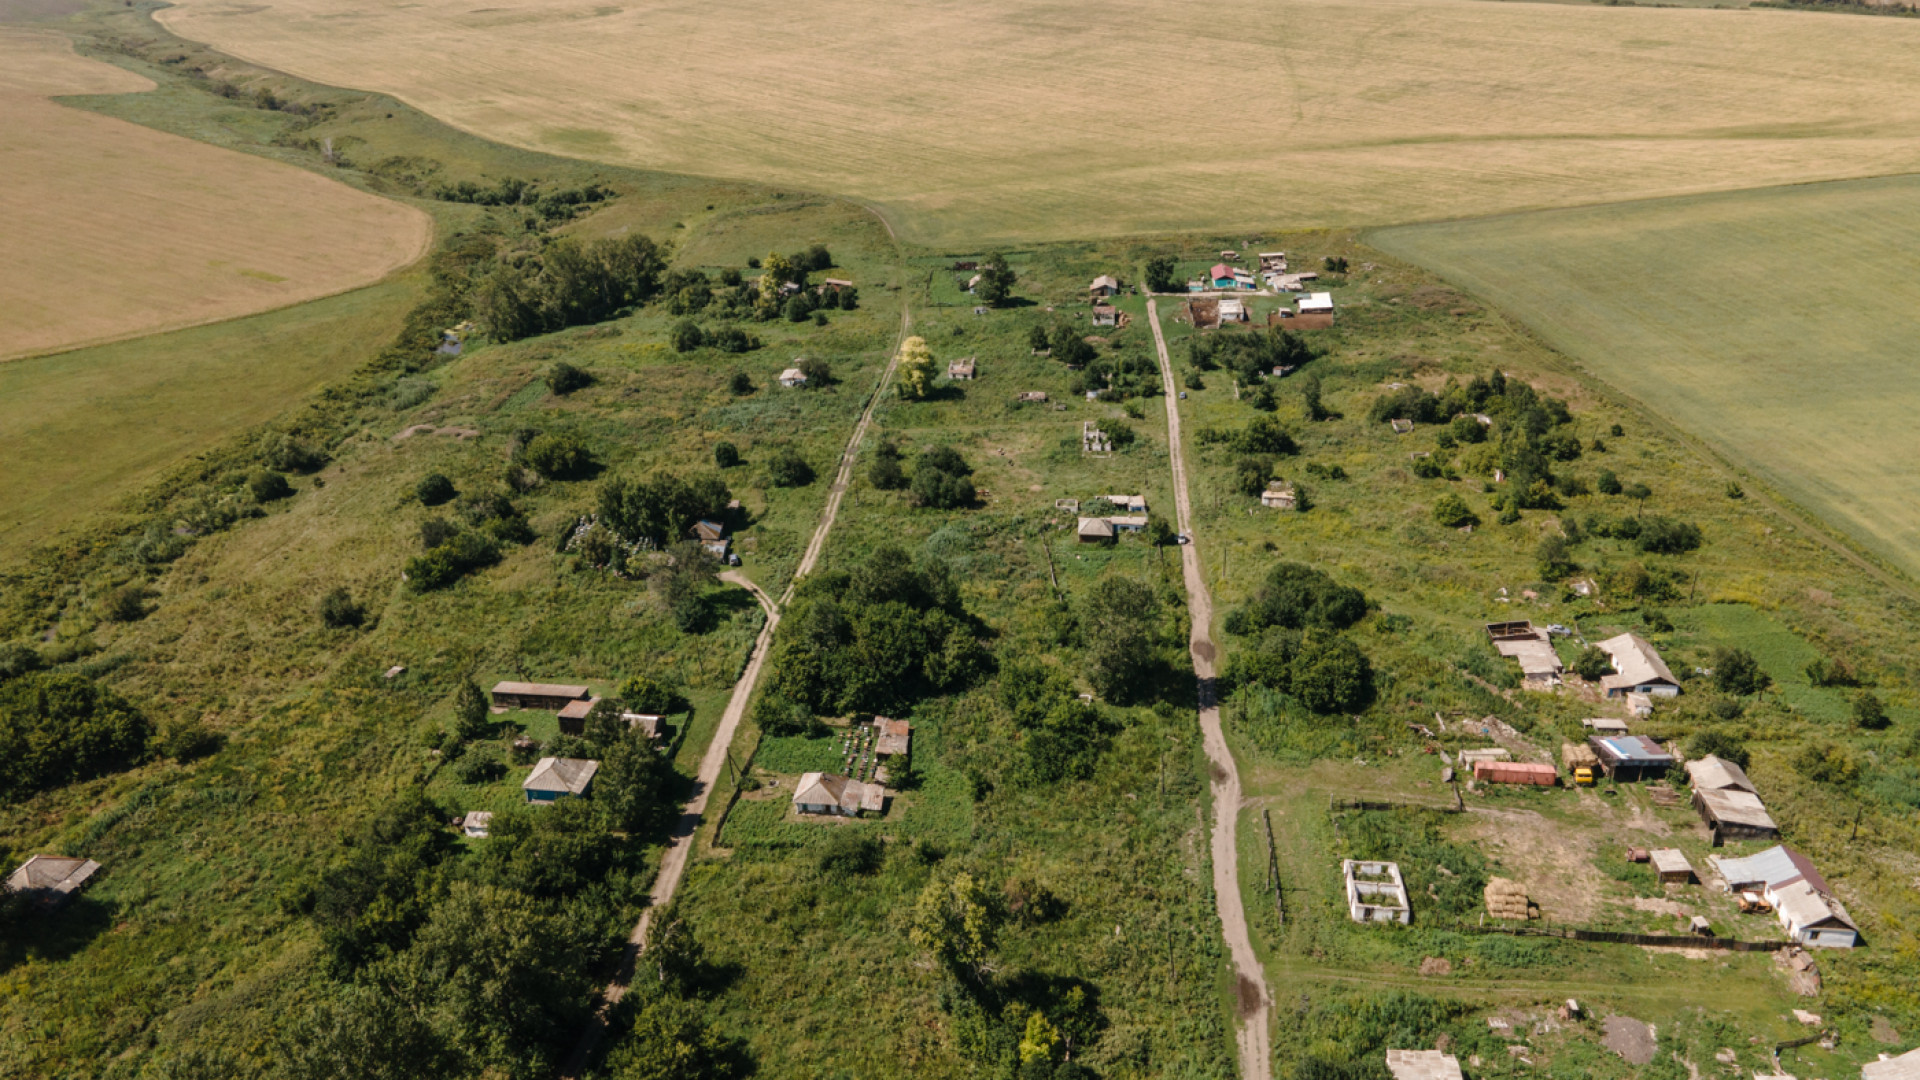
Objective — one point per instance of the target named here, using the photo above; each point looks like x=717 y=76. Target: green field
x=1776 y=325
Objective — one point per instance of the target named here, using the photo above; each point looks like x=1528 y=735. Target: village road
x=673 y=863
x=1249 y=978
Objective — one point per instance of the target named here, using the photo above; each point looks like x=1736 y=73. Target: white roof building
x=1319 y=303
x=793 y=377
x=1712 y=773
x=1637 y=667
x=842 y=796
x=1423 y=1065
x=1904 y=1067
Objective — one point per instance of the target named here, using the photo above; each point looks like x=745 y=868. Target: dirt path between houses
x=1249 y=978
x=673 y=862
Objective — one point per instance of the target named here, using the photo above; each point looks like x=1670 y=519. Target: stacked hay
x=1507 y=899
x=1579 y=756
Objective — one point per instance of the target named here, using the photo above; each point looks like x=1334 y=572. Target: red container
x=1515 y=772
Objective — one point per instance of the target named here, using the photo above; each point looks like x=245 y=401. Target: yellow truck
x=1581 y=762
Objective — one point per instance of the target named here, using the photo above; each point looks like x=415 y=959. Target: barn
x=548 y=697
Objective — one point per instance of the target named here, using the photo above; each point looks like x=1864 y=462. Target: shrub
x=338 y=610
x=788 y=469
x=732 y=339
x=1827 y=763
x=941 y=479
x=1607 y=483
x=797 y=308
x=557 y=457
x=479 y=766
x=885 y=473
x=1720 y=745
x=1735 y=671
x=851 y=853
x=564 y=378
x=291 y=454
x=1451 y=511
x=1296 y=596
x=1665 y=536
x=16 y=660
x=1869 y=712
x=740 y=384
x=1656 y=620
x=267 y=486
x=433 y=489
x=819 y=373
x=686 y=337
x=1332 y=675
x=189 y=740
x=1555 y=558
x=126 y=604
x=726 y=455
x=1265 y=435
x=450 y=561
x=1822 y=671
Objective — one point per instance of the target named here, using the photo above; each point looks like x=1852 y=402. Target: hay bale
x=1579 y=756
x=1507 y=900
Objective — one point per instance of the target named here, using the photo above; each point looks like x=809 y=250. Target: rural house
x=1095 y=530
x=961 y=370
x=793 y=377
x=1222 y=277
x=1104 y=285
x=573 y=718
x=1275 y=261
x=1315 y=304
x=712 y=537
x=841 y=796
x=1278 y=497
x=1626 y=758
x=1375 y=892
x=1637 y=668
x=555 y=778
x=1423 y=1065
x=547 y=697
x=48 y=881
x=1232 y=310
x=1801 y=898
x=1106 y=315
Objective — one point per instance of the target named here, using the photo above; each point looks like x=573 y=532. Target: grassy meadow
x=967 y=122
x=1771 y=324
x=121 y=231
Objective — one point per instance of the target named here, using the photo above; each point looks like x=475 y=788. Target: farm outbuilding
x=1279 y=498
x=1733 y=814
x=1578 y=756
x=1232 y=310
x=556 y=778
x=1604 y=725
x=961 y=370
x=1626 y=758
x=573 y=718
x=1714 y=773
x=895 y=737
x=1106 y=315
x=1315 y=304
x=48 y=881
x=477 y=823
x=549 y=697
x=793 y=377
x=1104 y=285
x=1671 y=866
x=1528 y=646
x=1637 y=668
x=1515 y=772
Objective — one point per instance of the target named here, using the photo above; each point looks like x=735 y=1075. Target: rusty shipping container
x=1514 y=772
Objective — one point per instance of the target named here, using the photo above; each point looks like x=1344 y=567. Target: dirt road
x=843 y=475
x=1250 y=979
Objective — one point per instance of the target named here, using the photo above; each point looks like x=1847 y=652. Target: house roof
x=1105 y=309
x=540 y=689
x=1635 y=661
x=1606 y=725
x=1734 y=806
x=1231 y=306
x=1096 y=526
x=571 y=775
x=1128 y=521
x=838 y=283
x=1904 y=1067
x=1220 y=270
x=793 y=374
x=1802 y=905
x=578 y=710
x=961 y=367
x=832 y=789
x=1629 y=748
x=646 y=722
x=1712 y=773
x=710 y=530
x=1319 y=301
x=1104 y=282
x=1136 y=503
x=1775 y=866
x=56 y=874
x=1423 y=1065
x=896 y=737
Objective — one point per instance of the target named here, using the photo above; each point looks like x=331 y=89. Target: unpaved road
x=1250 y=980
x=673 y=863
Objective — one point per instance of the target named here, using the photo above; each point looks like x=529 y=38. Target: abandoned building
x=573 y=718
x=1375 y=892
x=1728 y=802
x=48 y=881
x=1529 y=646
x=1423 y=1065
x=551 y=697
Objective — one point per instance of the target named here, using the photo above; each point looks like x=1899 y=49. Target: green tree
x=1118 y=620
x=267 y=486
x=506 y=302
x=1593 y=664
x=1869 y=713
x=996 y=281
x=957 y=923
x=725 y=455
x=338 y=610
x=1554 y=557
x=1037 y=338
x=1332 y=675
x=564 y=378
x=1040 y=1041
x=646 y=694
x=885 y=473
x=1719 y=744
x=557 y=457
x=1607 y=483
x=1827 y=763
x=472 y=711
x=1310 y=402
x=671 y=1040
x=57 y=728
x=1070 y=348
x=915 y=369
x=126 y=604
x=686 y=336
x=1161 y=276
x=1452 y=511
x=434 y=489
x=740 y=384
x=634 y=786
x=941 y=479
x=1735 y=671
x=661 y=508
x=786 y=468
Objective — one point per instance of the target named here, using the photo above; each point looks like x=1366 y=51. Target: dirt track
x=673 y=863
x=1250 y=979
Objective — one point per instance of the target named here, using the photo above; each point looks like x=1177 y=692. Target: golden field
x=992 y=120
x=116 y=230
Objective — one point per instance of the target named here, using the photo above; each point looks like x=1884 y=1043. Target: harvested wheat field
x=1776 y=324
x=996 y=119
x=115 y=230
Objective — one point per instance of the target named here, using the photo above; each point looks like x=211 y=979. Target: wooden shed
x=1671 y=866
x=546 y=696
